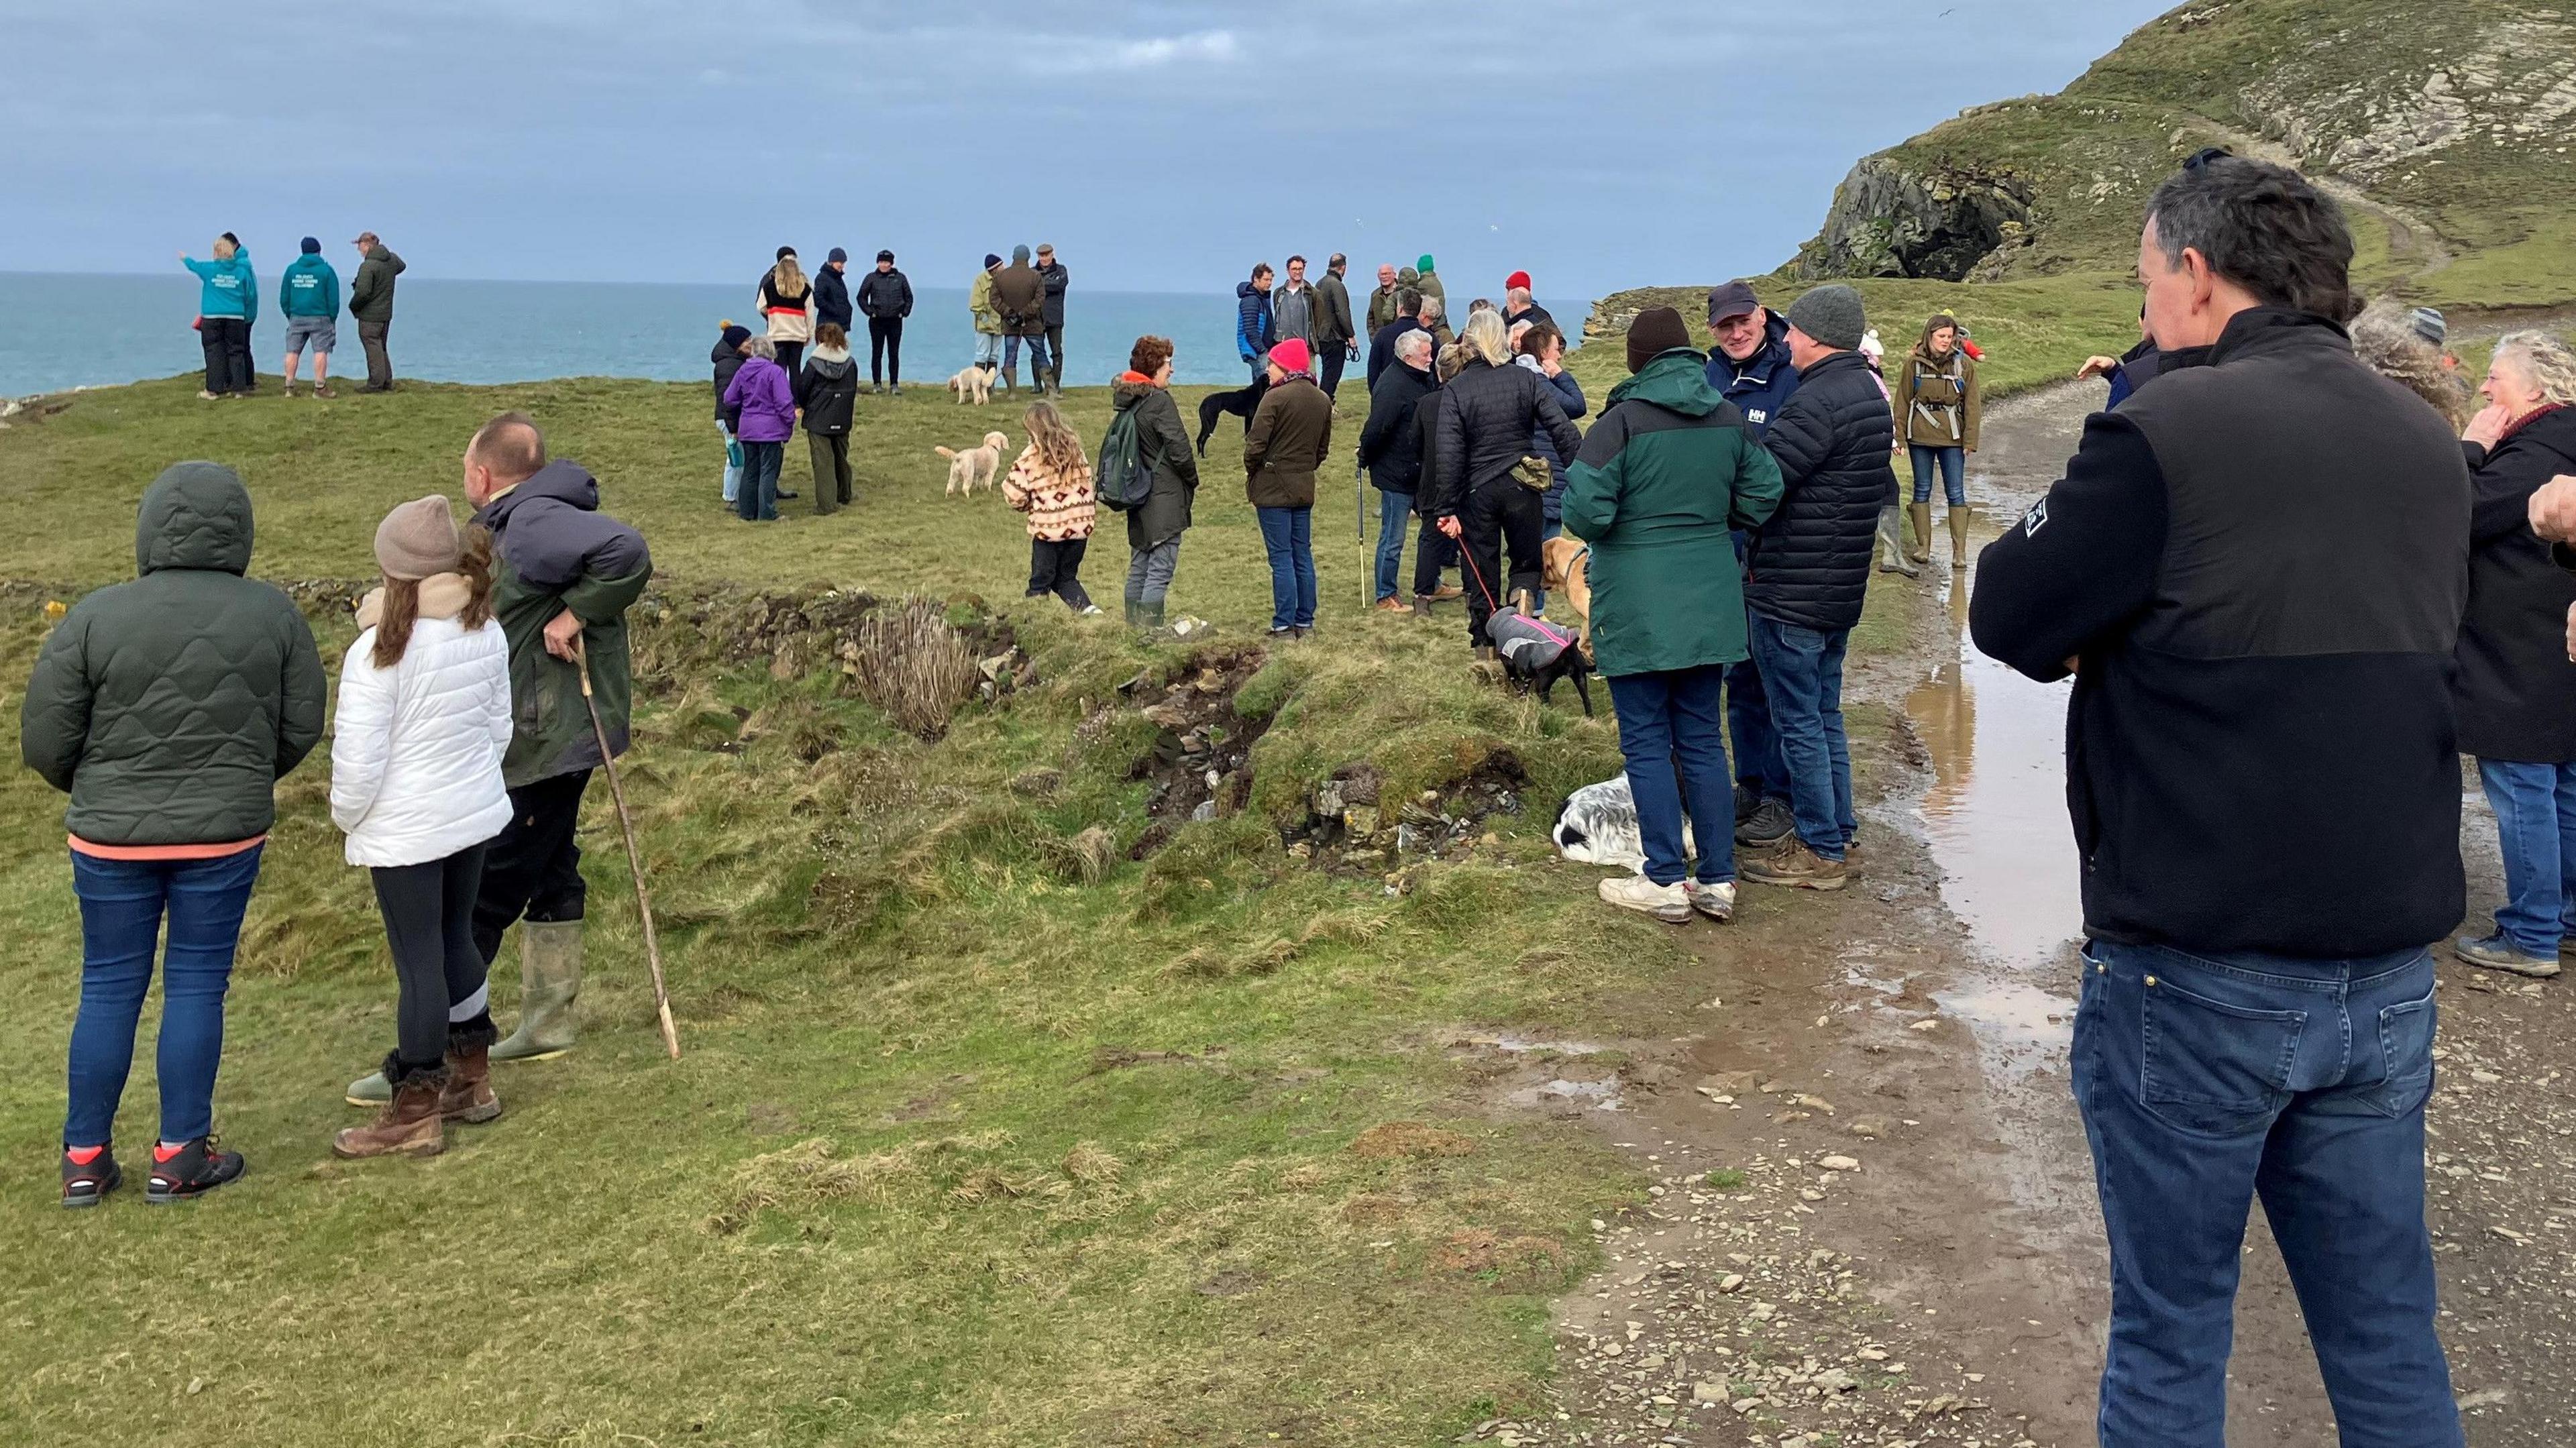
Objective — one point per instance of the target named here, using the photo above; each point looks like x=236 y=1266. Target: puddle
x=1601 y=1095
x=1524 y=1045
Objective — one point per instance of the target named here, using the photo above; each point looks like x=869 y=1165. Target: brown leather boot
x=409 y=1125
x=469 y=1096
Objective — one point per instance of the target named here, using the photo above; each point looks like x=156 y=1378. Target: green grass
x=985 y=1133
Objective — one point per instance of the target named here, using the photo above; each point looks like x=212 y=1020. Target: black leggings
x=790 y=354
x=1500 y=514
x=227 y=345
x=429 y=922
x=885 y=350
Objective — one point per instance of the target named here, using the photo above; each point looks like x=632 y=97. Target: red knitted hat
x=1292 y=355
x=1516 y=279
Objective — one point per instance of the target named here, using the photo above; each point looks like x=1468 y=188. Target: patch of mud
x=1352 y=826
x=1601 y=1095
x=1200 y=764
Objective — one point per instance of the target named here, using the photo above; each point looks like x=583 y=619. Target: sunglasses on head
x=2200 y=158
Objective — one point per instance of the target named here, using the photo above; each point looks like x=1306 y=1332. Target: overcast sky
x=1159 y=146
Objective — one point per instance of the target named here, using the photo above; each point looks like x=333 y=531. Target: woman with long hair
x=787 y=300
x=1937 y=411
x=416 y=785
x=1051 y=483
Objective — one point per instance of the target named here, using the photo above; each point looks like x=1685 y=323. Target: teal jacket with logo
x=226 y=288
x=309 y=288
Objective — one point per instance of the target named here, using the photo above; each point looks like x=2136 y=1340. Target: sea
x=95 y=329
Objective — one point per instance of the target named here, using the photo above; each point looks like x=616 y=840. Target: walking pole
x=634 y=857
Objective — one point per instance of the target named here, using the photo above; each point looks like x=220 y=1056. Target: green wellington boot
x=549 y=979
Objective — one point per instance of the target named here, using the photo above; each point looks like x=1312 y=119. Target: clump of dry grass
x=909 y=662
x=809 y=1175
x=1414 y=1139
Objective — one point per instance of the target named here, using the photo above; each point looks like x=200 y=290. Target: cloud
x=1076 y=56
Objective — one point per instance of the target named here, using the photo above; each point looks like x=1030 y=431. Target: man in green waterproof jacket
x=564 y=575
x=1660 y=481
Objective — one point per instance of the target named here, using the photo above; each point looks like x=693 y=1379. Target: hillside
x=2446 y=129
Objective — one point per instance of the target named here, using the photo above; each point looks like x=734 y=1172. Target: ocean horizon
x=94 y=329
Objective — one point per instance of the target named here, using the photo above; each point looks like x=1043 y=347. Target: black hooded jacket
x=831 y=299
x=885 y=296
x=2515 y=691
x=1485 y=429
x=1810 y=563
x=728 y=361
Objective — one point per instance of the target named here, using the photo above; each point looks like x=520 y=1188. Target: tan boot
x=469 y=1096
x=1958 y=539
x=409 y=1125
x=549 y=980
x=1921 y=516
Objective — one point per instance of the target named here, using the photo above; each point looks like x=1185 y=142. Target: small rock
x=1835 y=1380
x=1810 y=1194
x=1839 y=1163
x=196 y=1386
x=1925 y=1025
x=1871 y=1355
x=1709 y=1392
x=1869 y=1128
x=2486 y=1398
x=1731 y=1282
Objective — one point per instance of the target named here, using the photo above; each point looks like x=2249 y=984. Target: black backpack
x=1123 y=477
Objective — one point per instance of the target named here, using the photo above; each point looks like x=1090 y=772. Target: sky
x=1160 y=147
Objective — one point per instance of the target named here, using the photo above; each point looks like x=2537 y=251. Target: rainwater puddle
x=1524 y=1045
x=1602 y=1095
x=1995 y=817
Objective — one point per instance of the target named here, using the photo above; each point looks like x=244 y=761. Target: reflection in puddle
x=1601 y=1095
x=1995 y=818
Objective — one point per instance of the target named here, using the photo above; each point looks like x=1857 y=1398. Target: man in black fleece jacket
x=2255 y=570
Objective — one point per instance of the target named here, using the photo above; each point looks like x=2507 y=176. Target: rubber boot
x=1150 y=615
x=549 y=979
x=1921 y=516
x=1010 y=380
x=1891 y=542
x=1958 y=540
x=409 y=1124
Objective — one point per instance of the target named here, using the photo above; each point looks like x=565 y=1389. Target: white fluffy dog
x=974 y=385
x=976 y=465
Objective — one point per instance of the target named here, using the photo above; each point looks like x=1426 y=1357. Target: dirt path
x=1875 y=1221
x=2409 y=234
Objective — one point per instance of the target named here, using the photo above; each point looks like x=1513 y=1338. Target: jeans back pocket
x=2406 y=1054
x=2210 y=1067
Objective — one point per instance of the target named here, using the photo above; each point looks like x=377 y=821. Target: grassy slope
x=877 y=943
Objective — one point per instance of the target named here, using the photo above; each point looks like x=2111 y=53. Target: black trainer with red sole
x=196 y=1169
x=87 y=1184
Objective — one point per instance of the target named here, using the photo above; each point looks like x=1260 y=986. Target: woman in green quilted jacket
x=167 y=708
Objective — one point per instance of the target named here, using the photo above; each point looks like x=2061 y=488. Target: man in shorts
x=309 y=294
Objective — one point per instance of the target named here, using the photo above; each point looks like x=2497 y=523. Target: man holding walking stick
x=564 y=576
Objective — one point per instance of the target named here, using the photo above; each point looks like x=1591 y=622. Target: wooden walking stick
x=634 y=857
x=1359 y=499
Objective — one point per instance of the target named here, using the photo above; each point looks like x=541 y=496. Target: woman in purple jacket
x=767 y=403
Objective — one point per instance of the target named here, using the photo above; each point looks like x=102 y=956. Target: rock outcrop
x=1891 y=218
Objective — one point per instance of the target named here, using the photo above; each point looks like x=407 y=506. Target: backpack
x=1122 y=477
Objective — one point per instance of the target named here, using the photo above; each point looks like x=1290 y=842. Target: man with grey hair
x=1520 y=309
x=1391 y=450
x=1408 y=318
x=2255 y=569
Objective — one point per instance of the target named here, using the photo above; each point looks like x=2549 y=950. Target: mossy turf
x=986 y=1132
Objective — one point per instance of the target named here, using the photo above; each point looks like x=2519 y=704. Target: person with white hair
x=1476 y=494
x=2513 y=691
x=1391 y=450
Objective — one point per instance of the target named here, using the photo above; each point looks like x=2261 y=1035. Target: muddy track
x=1899 y=1243
x=2409 y=234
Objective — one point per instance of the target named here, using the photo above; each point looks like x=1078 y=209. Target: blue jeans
x=1038 y=362
x=2535 y=810
x=1672 y=730
x=1288 y=535
x=1802 y=677
x=733 y=462
x=1953 y=463
x=1394 y=520
x=757 y=499
x=2205 y=1080
x=1758 y=765
x=123 y=903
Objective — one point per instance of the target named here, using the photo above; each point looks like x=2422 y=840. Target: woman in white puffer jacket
x=424 y=718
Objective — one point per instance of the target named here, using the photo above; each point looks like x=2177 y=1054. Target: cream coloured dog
x=976 y=465
x=974 y=385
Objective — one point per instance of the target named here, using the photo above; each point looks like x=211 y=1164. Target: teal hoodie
x=229 y=289
x=308 y=288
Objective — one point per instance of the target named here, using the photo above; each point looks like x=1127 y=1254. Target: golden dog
x=1565 y=570
x=976 y=465
x=973 y=384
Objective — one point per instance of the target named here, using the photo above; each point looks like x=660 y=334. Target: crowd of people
x=308 y=296
x=2294 y=573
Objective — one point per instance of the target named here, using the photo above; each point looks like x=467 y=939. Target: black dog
x=1535 y=654
x=1241 y=402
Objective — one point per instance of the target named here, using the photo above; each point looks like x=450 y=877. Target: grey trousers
x=380 y=365
x=1149 y=571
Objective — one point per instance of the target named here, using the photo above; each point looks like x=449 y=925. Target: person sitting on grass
x=1051 y=483
x=416 y=746
x=167 y=708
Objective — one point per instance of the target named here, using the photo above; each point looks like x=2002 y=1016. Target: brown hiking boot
x=1393 y=604
x=1445 y=592
x=469 y=1096
x=1792 y=864
x=409 y=1125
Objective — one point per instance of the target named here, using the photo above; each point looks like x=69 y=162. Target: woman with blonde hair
x=1051 y=483
x=1472 y=487
x=416 y=784
x=787 y=300
x=2513 y=692
x=1937 y=412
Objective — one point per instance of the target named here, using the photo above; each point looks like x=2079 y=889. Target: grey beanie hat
x=1019 y=255
x=419 y=539
x=1833 y=315
x=2429 y=325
